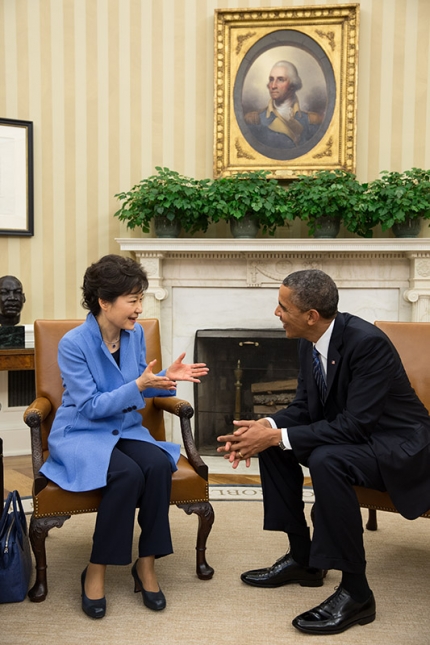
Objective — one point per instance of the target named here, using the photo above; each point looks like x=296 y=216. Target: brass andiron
x=238 y=385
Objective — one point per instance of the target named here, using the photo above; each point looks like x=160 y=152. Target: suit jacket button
x=115 y=432
x=134 y=407
x=125 y=410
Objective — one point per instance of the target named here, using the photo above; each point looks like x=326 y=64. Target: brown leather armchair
x=410 y=340
x=53 y=505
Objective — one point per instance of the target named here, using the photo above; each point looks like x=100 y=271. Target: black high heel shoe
x=92 y=608
x=154 y=600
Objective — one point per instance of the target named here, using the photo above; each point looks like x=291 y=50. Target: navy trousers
x=139 y=476
x=337 y=541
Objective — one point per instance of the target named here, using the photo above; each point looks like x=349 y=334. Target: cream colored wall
x=117 y=87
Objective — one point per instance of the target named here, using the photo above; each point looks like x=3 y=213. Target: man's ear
x=313 y=316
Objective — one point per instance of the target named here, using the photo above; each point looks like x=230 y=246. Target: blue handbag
x=15 y=554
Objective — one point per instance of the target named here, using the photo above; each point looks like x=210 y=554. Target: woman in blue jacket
x=97 y=438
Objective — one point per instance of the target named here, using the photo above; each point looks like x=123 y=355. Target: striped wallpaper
x=116 y=87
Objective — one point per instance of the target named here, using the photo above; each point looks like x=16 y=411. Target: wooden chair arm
x=173 y=405
x=37 y=412
x=34 y=415
x=184 y=411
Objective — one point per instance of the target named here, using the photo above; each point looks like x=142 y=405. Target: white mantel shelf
x=396 y=264
x=272 y=245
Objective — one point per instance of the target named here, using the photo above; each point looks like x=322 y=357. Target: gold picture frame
x=321 y=43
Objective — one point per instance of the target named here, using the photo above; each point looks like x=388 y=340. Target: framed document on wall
x=16 y=177
x=285 y=88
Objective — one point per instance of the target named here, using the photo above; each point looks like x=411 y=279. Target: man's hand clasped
x=249 y=438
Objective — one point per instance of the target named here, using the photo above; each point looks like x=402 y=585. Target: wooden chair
x=412 y=341
x=53 y=505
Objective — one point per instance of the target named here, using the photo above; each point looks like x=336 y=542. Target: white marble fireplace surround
x=229 y=283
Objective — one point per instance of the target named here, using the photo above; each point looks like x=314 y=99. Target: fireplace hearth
x=253 y=373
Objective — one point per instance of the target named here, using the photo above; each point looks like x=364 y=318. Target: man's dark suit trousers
x=337 y=541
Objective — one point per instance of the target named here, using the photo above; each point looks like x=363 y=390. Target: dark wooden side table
x=17 y=359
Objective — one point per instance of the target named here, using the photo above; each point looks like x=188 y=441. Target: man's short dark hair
x=313 y=289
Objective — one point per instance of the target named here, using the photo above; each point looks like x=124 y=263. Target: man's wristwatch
x=282 y=445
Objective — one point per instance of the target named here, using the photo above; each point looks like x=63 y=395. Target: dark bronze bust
x=12 y=300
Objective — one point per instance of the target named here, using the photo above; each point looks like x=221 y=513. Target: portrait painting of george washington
x=284 y=94
x=285 y=89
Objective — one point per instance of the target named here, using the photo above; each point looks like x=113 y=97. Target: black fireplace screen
x=253 y=372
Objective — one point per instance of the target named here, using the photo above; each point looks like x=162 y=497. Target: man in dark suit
x=355 y=420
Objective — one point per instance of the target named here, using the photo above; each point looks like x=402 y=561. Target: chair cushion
x=187 y=487
x=377 y=500
x=53 y=500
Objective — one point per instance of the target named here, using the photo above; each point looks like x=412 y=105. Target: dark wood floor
x=18 y=476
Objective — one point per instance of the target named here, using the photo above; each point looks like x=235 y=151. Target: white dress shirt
x=321 y=346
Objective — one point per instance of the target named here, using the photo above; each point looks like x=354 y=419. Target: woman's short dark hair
x=110 y=277
x=313 y=289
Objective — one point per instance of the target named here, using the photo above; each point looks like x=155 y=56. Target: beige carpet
x=224 y=610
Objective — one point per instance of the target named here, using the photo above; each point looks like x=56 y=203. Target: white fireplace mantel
x=402 y=263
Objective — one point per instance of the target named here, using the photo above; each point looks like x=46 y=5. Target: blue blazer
x=99 y=406
x=369 y=401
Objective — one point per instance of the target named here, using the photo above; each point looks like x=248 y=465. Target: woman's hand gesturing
x=179 y=371
x=150 y=380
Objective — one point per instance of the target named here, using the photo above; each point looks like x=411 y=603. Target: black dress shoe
x=283 y=572
x=337 y=613
x=92 y=608
x=154 y=600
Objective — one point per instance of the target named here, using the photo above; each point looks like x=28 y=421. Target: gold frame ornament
x=315 y=128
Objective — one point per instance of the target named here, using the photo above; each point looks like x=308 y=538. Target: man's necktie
x=318 y=374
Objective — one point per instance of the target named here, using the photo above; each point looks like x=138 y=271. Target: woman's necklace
x=112 y=342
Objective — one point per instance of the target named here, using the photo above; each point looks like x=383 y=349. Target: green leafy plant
x=248 y=194
x=168 y=194
x=397 y=196
x=329 y=193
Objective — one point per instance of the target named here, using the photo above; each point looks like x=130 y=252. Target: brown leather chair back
x=153 y=417
x=48 y=333
x=412 y=341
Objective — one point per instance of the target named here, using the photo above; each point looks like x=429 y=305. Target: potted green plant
x=327 y=198
x=399 y=200
x=249 y=201
x=168 y=198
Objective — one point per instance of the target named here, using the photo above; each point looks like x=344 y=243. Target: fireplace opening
x=253 y=373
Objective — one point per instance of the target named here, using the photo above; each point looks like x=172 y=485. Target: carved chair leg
x=206 y=516
x=372 y=522
x=38 y=531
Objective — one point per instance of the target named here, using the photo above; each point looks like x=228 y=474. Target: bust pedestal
x=12 y=337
